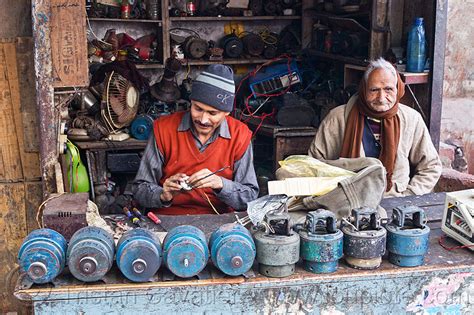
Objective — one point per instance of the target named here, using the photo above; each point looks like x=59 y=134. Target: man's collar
x=186 y=124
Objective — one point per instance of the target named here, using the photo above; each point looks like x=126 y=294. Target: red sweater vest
x=182 y=156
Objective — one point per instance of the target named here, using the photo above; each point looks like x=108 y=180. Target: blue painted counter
x=443 y=284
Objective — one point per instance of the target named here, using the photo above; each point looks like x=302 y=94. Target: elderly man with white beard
x=374 y=124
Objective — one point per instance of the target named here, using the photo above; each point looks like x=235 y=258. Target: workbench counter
x=444 y=284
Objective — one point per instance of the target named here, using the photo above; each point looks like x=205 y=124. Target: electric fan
x=119 y=102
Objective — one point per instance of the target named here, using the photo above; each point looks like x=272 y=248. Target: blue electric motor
x=141 y=127
x=43 y=255
x=185 y=251
x=407 y=236
x=232 y=249
x=90 y=254
x=139 y=254
x=321 y=242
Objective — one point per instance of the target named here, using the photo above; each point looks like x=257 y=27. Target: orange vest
x=182 y=156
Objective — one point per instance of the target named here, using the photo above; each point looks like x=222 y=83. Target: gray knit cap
x=215 y=87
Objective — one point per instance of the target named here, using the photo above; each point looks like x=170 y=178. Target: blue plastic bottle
x=416 y=50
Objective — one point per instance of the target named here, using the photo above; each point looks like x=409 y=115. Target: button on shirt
x=235 y=193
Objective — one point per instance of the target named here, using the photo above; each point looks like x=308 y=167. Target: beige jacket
x=415 y=150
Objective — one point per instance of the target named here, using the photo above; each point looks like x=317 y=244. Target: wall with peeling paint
x=458 y=94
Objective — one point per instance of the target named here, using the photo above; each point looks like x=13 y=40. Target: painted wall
x=16 y=18
x=458 y=99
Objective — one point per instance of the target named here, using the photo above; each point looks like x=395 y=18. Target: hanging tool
x=364 y=239
x=321 y=242
x=278 y=247
x=407 y=237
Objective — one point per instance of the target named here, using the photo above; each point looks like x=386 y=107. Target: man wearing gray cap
x=186 y=148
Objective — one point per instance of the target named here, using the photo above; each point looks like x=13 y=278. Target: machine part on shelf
x=174 y=12
x=78 y=134
x=153 y=9
x=270 y=7
x=139 y=254
x=253 y=44
x=458 y=216
x=141 y=127
x=364 y=239
x=256 y=6
x=212 y=7
x=289 y=39
x=42 y=255
x=167 y=90
x=194 y=47
x=123 y=162
x=66 y=213
x=90 y=254
x=293 y=110
x=270 y=52
x=407 y=237
x=274 y=78
x=216 y=54
x=321 y=242
x=89 y=100
x=232 y=45
x=185 y=251
x=232 y=249
x=120 y=102
x=278 y=247
x=144 y=48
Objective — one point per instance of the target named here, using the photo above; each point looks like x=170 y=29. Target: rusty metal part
x=66 y=213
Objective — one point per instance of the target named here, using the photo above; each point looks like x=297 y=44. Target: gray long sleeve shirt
x=235 y=193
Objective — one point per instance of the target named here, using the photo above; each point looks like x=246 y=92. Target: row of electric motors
x=185 y=252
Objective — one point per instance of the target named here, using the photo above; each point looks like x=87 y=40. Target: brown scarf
x=390 y=132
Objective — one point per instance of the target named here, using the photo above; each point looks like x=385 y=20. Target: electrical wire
x=92 y=32
x=440 y=242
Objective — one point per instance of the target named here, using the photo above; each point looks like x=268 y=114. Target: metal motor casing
x=321 y=243
x=253 y=44
x=364 y=246
x=90 y=254
x=141 y=127
x=277 y=253
x=407 y=242
x=232 y=249
x=185 y=251
x=139 y=254
x=42 y=255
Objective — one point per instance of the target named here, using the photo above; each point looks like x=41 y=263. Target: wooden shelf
x=312 y=13
x=129 y=144
x=241 y=61
x=340 y=58
x=126 y=20
x=149 y=66
x=232 y=18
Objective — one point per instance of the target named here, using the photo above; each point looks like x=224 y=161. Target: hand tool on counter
x=278 y=247
x=232 y=249
x=364 y=239
x=153 y=217
x=138 y=214
x=42 y=255
x=321 y=242
x=407 y=236
x=131 y=217
x=90 y=254
x=139 y=254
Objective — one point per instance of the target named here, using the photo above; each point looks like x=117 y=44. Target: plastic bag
x=306 y=166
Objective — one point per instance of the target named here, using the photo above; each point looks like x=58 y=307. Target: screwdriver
x=138 y=214
x=153 y=217
x=134 y=220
